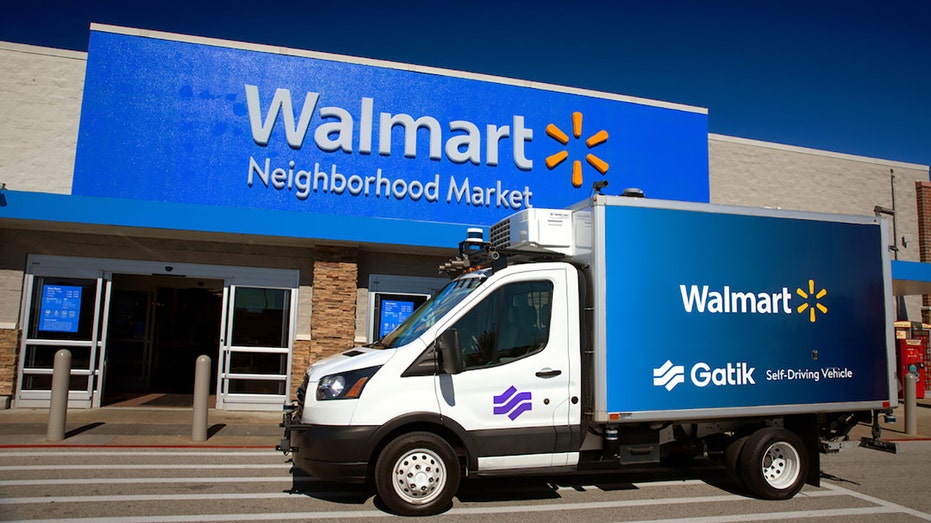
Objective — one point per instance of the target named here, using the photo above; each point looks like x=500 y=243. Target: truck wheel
x=773 y=463
x=417 y=474
x=732 y=458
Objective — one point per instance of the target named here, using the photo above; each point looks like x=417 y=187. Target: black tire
x=773 y=463
x=417 y=474
x=732 y=460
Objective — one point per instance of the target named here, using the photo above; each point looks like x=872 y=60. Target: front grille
x=302 y=391
x=301 y=395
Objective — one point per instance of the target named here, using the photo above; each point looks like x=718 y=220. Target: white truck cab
x=514 y=397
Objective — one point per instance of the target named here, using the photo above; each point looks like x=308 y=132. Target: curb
x=141 y=446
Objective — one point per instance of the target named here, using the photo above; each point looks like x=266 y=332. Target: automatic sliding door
x=256 y=355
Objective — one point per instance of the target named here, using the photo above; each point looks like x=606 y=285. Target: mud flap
x=806 y=428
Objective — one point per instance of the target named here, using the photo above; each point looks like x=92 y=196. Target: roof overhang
x=910 y=278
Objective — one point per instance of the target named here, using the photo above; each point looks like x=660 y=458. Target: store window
x=392 y=309
x=393 y=298
x=262 y=317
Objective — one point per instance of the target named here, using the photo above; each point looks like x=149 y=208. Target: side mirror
x=447 y=347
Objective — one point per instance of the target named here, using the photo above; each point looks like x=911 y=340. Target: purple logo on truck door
x=512 y=403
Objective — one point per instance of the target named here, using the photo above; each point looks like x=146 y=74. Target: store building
x=170 y=196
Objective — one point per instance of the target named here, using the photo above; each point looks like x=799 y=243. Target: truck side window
x=511 y=323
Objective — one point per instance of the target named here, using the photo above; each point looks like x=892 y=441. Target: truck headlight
x=345 y=385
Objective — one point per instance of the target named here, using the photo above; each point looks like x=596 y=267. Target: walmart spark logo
x=811 y=307
x=598 y=138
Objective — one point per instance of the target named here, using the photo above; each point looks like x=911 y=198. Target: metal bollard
x=201 y=395
x=58 y=403
x=910 y=399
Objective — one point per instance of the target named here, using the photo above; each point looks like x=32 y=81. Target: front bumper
x=328 y=452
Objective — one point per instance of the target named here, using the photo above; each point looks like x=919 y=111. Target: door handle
x=548 y=373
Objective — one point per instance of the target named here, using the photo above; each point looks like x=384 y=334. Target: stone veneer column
x=9 y=345
x=923 y=195
x=333 y=308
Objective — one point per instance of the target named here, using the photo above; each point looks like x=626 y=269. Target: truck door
x=514 y=394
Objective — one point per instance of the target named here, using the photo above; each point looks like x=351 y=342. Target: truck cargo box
x=710 y=311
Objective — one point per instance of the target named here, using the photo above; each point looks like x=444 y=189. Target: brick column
x=9 y=349
x=923 y=195
x=333 y=308
x=301 y=359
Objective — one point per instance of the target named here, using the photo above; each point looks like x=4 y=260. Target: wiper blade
x=377 y=344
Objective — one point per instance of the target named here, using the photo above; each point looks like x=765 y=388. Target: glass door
x=129 y=340
x=256 y=344
x=61 y=313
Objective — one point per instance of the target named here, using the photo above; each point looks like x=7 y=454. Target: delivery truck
x=617 y=331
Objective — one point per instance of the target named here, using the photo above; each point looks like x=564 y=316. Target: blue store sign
x=213 y=125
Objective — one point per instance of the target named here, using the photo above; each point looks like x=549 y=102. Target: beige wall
x=40 y=104
x=762 y=174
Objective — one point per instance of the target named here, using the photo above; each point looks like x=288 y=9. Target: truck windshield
x=435 y=308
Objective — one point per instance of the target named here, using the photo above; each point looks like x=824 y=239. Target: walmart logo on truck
x=669 y=375
x=702 y=299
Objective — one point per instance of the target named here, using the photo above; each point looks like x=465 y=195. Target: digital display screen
x=393 y=313
x=61 y=308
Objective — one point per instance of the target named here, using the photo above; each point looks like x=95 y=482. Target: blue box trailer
x=709 y=311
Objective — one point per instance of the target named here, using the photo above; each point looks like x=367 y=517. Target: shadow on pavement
x=832 y=477
x=213 y=429
x=90 y=426
x=346 y=493
x=547 y=487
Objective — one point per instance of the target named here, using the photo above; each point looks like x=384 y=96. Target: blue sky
x=851 y=77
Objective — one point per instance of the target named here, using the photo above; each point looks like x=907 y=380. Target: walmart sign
x=238 y=126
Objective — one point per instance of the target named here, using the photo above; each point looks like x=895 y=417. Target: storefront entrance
x=157 y=328
x=136 y=328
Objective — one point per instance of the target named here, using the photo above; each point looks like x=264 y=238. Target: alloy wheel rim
x=419 y=476
x=780 y=465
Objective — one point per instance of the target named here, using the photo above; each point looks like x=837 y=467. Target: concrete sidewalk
x=151 y=426
x=147 y=426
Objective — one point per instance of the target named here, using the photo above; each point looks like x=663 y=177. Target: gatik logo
x=668 y=375
x=512 y=403
x=702 y=375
